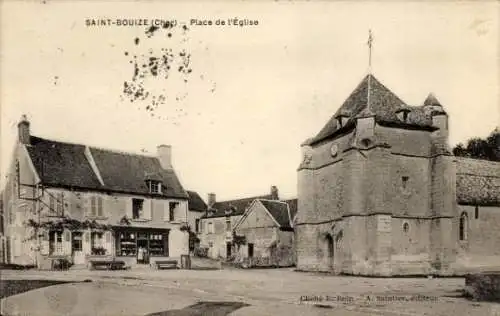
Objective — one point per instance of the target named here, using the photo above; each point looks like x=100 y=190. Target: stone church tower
x=377 y=189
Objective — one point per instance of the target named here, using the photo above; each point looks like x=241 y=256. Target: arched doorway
x=330 y=251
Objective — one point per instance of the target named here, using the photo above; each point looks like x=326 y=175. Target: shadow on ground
x=13 y=287
x=204 y=308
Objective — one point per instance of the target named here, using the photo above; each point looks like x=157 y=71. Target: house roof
x=65 y=164
x=279 y=211
x=478 y=181
x=382 y=103
x=235 y=207
x=195 y=202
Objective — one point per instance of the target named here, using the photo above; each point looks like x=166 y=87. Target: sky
x=245 y=97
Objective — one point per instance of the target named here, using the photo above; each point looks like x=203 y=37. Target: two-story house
x=216 y=226
x=78 y=201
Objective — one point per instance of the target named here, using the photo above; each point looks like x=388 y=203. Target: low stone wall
x=483 y=286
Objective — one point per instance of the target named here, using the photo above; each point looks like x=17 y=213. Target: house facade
x=379 y=193
x=76 y=201
x=267 y=231
x=217 y=225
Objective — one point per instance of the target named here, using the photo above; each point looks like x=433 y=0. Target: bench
x=106 y=264
x=165 y=264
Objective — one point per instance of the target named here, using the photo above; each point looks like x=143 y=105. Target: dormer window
x=403 y=115
x=155 y=187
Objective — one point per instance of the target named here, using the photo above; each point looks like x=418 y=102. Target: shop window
x=156 y=244
x=126 y=245
x=76 y=243
x=137 y=208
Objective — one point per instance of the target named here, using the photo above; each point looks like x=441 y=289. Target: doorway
x=330 y=250
x=250 y=250
x=228 y=250
x=142 y=251
x=77 y=248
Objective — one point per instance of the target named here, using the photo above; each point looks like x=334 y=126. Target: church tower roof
x=370 y=98
x=431 y=100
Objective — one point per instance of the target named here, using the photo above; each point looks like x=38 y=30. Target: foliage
x=124 y=221
x=62 y=264
x=98 y=251
x=488 y=149
x=67 y=223
x=239 y=240
x=201 y=252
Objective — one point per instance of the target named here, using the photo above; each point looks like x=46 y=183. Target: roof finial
x=370 y=41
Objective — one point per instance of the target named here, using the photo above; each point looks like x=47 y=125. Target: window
x=137 y=208
x=406 y=227
x=171 y=210
x=96 y=206
x=56 y=204
x=404 y=182
x=155 y=187
x=97 y=239
x=56 y=242
x=210 y=228
x=228 y=224
x=76 y=243
x=210 y=244
x=463 y=226
x=197 y=225
x=60 y=204
x=476 y=212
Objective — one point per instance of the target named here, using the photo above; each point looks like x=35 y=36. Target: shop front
x=140 y=245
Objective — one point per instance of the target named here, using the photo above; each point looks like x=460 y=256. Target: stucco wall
x=216 y=242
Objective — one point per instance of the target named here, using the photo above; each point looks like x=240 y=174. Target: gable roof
x=66 y=164
x=233 y=207
x=279 y=211
x=382 y=104
x=195 y=202
x=478 y=181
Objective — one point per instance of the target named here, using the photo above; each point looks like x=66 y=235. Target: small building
x=197 y=208
x=267 y=235
x=78 y=202
x=216 y=226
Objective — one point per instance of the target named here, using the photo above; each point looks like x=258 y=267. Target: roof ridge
x=268 y=200
x=112 y=150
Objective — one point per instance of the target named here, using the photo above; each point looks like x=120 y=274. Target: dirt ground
x=236 y=292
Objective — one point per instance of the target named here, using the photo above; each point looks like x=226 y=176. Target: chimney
x=211 y=200
x=274 y=193
x=164 y=153
x=23 y=130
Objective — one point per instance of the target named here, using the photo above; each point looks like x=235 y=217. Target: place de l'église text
x=234 y=21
